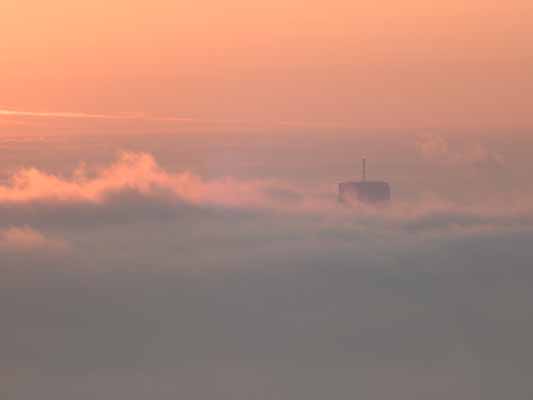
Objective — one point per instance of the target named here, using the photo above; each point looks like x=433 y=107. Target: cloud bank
x=136 y=282
x=135 y=187
x=132 y=172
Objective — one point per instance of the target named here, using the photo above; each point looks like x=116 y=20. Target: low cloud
x=170 y=278
x=136 y=172
x=26 y=239
x=136 y=188
x=436 y=148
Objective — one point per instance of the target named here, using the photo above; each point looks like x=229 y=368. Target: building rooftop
x=364 y=191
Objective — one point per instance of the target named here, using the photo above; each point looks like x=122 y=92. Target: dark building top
x=368 y=192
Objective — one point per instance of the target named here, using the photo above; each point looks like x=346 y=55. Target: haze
x=386 y=65
x=169 y=224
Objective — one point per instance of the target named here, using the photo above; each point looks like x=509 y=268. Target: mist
x=134 y=268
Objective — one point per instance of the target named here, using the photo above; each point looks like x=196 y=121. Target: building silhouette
x=364 y=191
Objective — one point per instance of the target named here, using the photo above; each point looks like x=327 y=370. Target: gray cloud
x=274 y=294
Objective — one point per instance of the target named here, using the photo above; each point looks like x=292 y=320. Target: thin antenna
x=364 y=169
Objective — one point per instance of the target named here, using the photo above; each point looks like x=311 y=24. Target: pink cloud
x=24 y=239
x=137 y=172
x=436 y=148
x=135 y=186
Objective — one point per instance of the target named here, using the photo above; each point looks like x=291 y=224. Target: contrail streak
x=147 y=117
x=77 y=115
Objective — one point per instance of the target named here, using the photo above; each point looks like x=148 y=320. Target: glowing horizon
x=388 y=66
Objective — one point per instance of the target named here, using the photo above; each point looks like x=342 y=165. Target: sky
x=169 y=223
x=385 y=65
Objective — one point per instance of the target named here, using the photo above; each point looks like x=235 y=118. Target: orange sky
x=384 y=65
